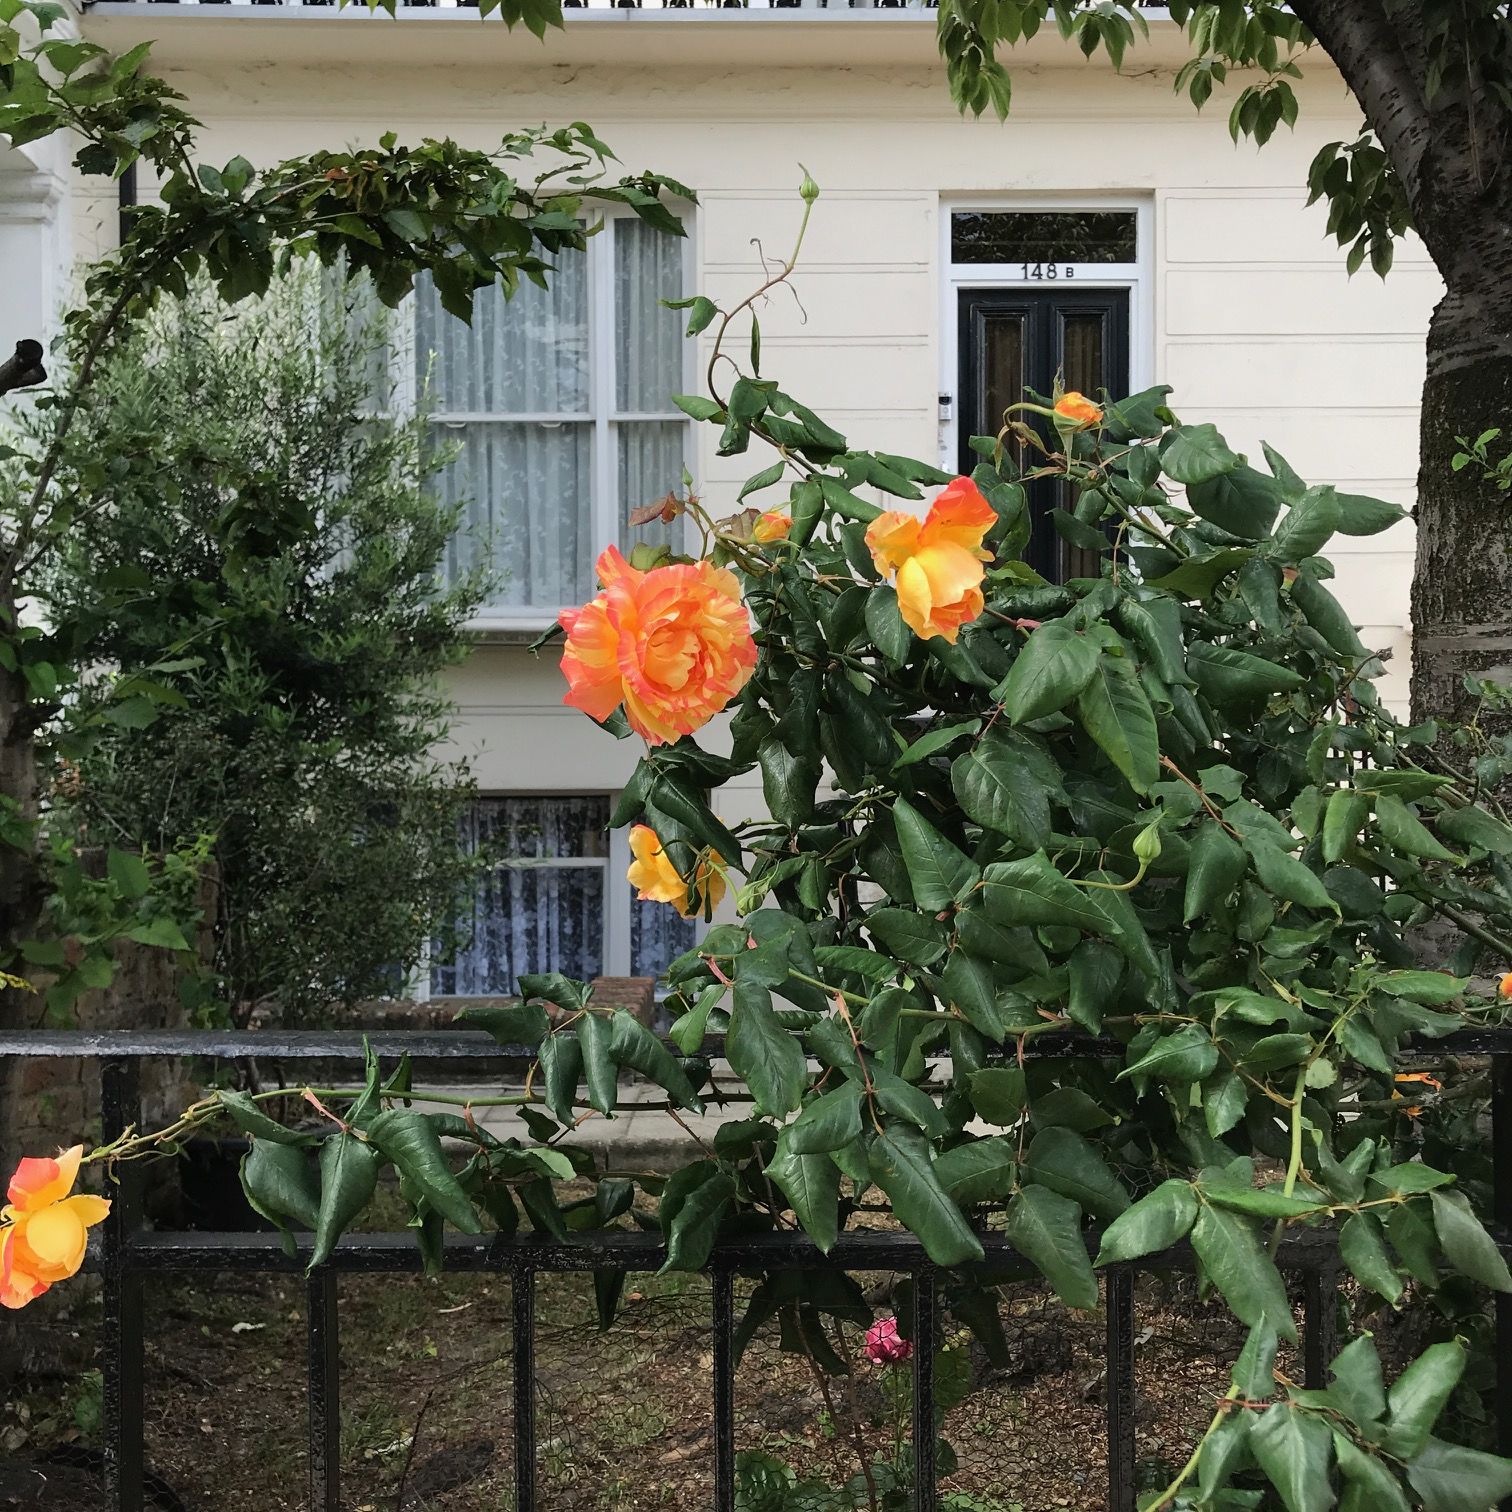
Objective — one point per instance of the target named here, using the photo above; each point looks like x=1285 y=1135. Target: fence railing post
x=724 y=1388
x=925 y=1330
x=123 y=1343
x=522 y=1288
x=1119 y=1303
x=324 y=1344
x=1501 y=1213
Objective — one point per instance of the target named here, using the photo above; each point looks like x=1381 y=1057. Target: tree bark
x=1460 y=590
x=1445 y=143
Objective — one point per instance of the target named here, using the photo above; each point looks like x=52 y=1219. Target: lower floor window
x=555 y=900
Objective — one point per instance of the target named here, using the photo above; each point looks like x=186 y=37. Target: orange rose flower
x=43 y=1231
x=1077 y=407
x=655 y=879
x=772 y=526
x=673 y=645
x=937 y=561
x=1504 y=987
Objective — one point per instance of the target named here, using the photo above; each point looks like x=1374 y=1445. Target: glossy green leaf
x=249 y=1117
x=1239 y=1267
x=811 y=1184
x=1451 y=1478
x=901 y=1164
x=348 y=1177
x=1467 y=1245
x=1215 y=864
x=1363 y=1249
x=1419 y=1394
x=1295 y=1450
x=1156 y=1222
x=1185 y=1055
x=508 y=1023
x=1115 y=711
x=829 y=1122
x=937 y=869
x=1046 y=1229
x=766 y=1057
x=1000 y=790
x=693 y=1205
x=1066 y=1162
x=1055 y=664
x=981 y=1170
x=408 y=1139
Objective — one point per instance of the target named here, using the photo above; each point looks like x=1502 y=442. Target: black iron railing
x=129 y=1253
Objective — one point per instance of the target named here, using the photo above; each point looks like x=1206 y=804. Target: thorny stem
x=727 y=317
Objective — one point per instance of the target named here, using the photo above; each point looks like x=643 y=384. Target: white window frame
x=602 y=417
x=1137 y=277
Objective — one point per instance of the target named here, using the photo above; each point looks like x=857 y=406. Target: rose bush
x=1160 y=814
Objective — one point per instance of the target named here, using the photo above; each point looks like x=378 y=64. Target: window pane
x=531 y=918
x=1082 y=346
x=651 y=455
x=524 y=919
x=523 y=356
x=1016 y=236
x=534 y=828
x=1003 y=339
x=658 y=935
x=525 y=489
x=648 y=339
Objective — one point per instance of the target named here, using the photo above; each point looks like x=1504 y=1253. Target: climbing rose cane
x=673 y=645
x=656 y=880
x=44 y=1230
x=936 y=561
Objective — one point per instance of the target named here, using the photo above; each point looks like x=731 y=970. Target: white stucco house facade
x=1106 y=228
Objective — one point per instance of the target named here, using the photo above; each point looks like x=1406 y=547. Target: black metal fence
x=130 y=1252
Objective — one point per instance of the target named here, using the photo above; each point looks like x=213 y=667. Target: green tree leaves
x=1045 y=1227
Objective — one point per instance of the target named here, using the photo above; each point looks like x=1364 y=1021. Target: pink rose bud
x=884 y=1344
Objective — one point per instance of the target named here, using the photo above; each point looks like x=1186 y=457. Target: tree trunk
x=1461 y=610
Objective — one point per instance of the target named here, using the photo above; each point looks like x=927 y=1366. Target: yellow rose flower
x=656 y=880
x=936 y=562
x=44 y=1230
x=772 y=526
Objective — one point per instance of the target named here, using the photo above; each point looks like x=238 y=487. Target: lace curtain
x=514 y=395
x=543 y=906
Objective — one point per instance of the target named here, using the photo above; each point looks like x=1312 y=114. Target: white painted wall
x=1252 y=316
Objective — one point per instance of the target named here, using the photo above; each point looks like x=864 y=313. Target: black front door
x=1013 y=339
